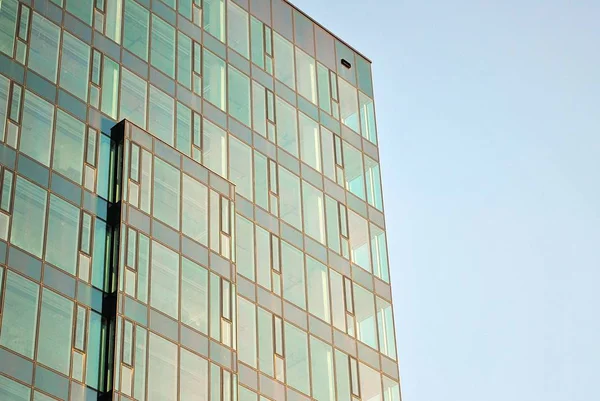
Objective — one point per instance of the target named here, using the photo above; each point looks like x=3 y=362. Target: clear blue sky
x=489 y=126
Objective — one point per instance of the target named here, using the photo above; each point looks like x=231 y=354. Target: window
x=239 y=95
x=8 y=21
x=74 y=66
x=214 y=148
x=184 y=60
x=135 y=33
x=69 y=143
x=329 y=166
x=296 y=359
x=19 y=315
x=373 y=181
x=318 y=287
x=245 y=247
x=247 y=332
x=363 y=69
x=193 y=377
x=293 y=275
x=237 y=29
x=314 y=218
x=307 y=76
x=385 y=328
x=349 y=105
x=161 y=115
x=183 y=130
x=134 y=91
x=194 y=295
x=370 y=383
x=259 y=109
x=338 y=311
x=310 y=142
x=257 y=42
x=164 y=291
x=94 y=349
x=289 y=196
x=163 y=46
x=287 y=127
x=113 y=20
x=162 y=369
x=367 y=118
x=43 y=48
x=342 y=373
x=4 y=94
x=195 y=210
x=82 y=9
x=38 y=122
x=321 y=360
x=265 y=341
x=11 y=390
x=354 y=171
x=213 y=79
x=364 y=307
x=240 y=167
x=359 y=240
x=166 y=193
x=29 y=214
x=214 y=18
x=284 y=61
x=56 y=326
x=343 y=52
x=110 y=89
x=391 y=390
x=261 y=184
x=63 y=233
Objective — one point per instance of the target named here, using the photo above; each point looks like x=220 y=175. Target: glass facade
x=190 y=206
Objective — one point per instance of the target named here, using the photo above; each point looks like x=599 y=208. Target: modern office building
x=190 y=206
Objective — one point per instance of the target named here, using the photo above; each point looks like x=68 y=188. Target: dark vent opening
x=346 y=63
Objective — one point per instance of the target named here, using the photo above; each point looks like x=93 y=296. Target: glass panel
x=265 y=341
x=96 y=330
x=56 y=323
x=338 y=311
x=134 y=91
x=80 y=328
x=237 y=29
x=19 y=316
x=349 y=105
x=353 y=167
x=379 y=253
x=287 y=127
x=370 y=383
x=367 y=118
x=245 y=247
x=36 y=134
x=193 y=377
x=247 y=332
x=7 y=185
x=195 y=210
x=69 y=144
x=161 y=115
x=307 y=76
x=359 y=240
x=105 y=167
x=391 y=390
x=324 y=88
x=8 y=22
x=213 y=78
x=364 y=307
x=314 y=221
x=342 y=376
x=82 y=9
x=257 y=42
x=310 y=142
x=385 y=328
x=113 y=19
x=43 y=49
x=184 y=60
x=261 y=190
x=293 y=275
x=259 y=110
x=215 y=380
x=29 y=214
x=166 y=193
x=139 y=380
x=318 y=285
x=215 y=313
x=135 y=35
x=321 y=361
x=162 y=369
x=163 y=46
x=289 y=195
x=239 y=95
x=164 y=291
x=284 y=61
x=99 y=264
x=214 y=18
x=10 y=390
x=4 y=92
x=127 y=342
x=363 y=69
x=63 y=233
x=194 y=295
x=240 y=167
x=296 y=359
x=373 y=181
x=214 y=149
x=74 y=66
x=110 y=88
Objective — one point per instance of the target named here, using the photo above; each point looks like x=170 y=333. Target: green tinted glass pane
x=74 y=66
x=19 y=316
x=193 y=377
x=113 y=19
x=82 y=9
x=213 y=12
x=139 y=380
x=239 y=95
x=296 y=359
x=161 y=115
x=363 y=69
x=43 y=47
x=240 y=167
x=184 y=60
x=245 y=247
x=215 y=313
x=257 y=42
x=163 y=46
x=69 y=143
x=246 y=395
x=314 y=221
x=237 y=29
x=56 y=326
x=293 y=275
x=318 y=285
x=364 y=308
x=162 y=369
x=310 y=142
x=391 y=390
x=135 y=34
x=324 y=89
x=4 y=88
x=37 y=396
x=29 y=214
x=93 y=350
x=99 y=254
x=354 y=171
x=63 y=233
x=164 y=291
x=38 y=121
x=259 y=109
x=8 y=22
x=307 y=75
x=359 y=240
x=367 y=118
x=379 y=252
x=194 y=295
x=284 y=61
x=385 y=328
x=265 y=341
x=104 y=167
x=133 y=98
x=185 y=8
x=170 y=3
x=195 y=210
x=247 y=332
x=166 y=193
x=184 y=129
x=289 y=198
x=261 y=189
x=349 y=105
x=342 y=373
x=110 y=87
x=10 y=390
x=213 y=79
x=321 y=361
x=214 y=148
x=345 y=53
x=287 y=127
x=373 y=183
x=328 y=154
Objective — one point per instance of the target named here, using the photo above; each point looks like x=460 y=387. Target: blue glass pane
x=69 y=142
x=29 y=215
x=38 y=120
x=56 y=326
x=63 y=235
x=74 y=66
x=10 y=390
x=8 y=22
x=43 y=48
